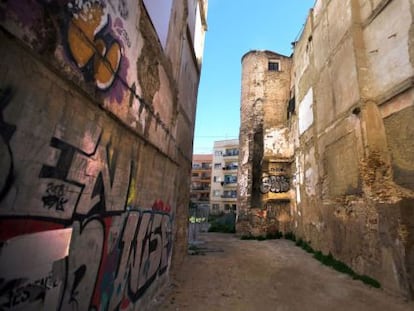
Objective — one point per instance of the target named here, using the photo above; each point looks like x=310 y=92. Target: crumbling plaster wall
x=264 y=138
x=95 y=131
x=353 y=69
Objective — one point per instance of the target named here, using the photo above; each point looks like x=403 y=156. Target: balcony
x=224 y=196
x=230 y=194
x=200 y=188
x=229 y=183
x=201 y=167
x=230 y=168
x=231 y=152
x=204 y=199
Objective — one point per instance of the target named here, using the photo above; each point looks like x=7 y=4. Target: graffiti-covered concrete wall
x=348 y=119
x=93 y=157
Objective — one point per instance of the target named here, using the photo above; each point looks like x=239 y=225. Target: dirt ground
x=233 y=274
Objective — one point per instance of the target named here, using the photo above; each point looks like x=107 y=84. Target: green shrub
x=367 y=280
x=223 y=228
x=299 y=242
x=307 y=247
x=225 y=223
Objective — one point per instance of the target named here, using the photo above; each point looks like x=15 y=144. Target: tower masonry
x=265 y=151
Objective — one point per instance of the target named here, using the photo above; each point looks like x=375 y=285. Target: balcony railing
x=229 y=196
x=230 y=168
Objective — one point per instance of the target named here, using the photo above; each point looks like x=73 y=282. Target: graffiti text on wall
x=111 y=252
x=111 y=263
x=6 y=156
x=274 y=183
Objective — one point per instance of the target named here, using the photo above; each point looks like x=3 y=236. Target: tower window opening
x=274 y=65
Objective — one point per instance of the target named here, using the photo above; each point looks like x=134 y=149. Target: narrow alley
x=227 y=273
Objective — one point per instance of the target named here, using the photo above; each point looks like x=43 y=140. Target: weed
x=307 y=247
x=367 y=280
x=330 y=261
x=299 y=242
x=247 y=237
x=269 y=236
x=274 y=235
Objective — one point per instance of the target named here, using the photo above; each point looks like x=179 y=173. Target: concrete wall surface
x=96 y=146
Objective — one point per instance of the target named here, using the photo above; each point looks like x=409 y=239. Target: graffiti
x=6 y=156
x=99 y=190
x=55 y=197
x=122 y=32
x=144 y=250
x=91 y=44
x=123 y=9
x=275 y=184
x=116 y=253
x=161 y=206
x=18 y=292
x=113 y=261
x=31 y=279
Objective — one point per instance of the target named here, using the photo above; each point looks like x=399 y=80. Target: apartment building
x=201 y=180
x=223 y=195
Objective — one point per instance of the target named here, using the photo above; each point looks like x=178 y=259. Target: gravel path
x=231 y=274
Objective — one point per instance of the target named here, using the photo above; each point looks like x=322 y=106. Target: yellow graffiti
x=83 y=46
x=132 y=192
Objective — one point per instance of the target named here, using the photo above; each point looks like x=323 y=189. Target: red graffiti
x=10 y=228
x=160 y=206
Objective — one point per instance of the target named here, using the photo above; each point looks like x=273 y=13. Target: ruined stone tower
x=265 y=152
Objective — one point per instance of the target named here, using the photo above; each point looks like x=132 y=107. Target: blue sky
x=234 y=28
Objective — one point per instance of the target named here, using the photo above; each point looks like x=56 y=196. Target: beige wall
x=353 y=163
x=96 y=138
x=348 y=145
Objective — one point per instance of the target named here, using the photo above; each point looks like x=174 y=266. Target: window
x=218 y=153
x=230 y=194
x=231 y=166
x=216 y=206
x=205 y=165
x=231 y=152
x=217 y=165
x=217 y=179
x=274 y=65
x=230 y=179
x=216 y=193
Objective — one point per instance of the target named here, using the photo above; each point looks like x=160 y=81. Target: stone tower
x=265 y=152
